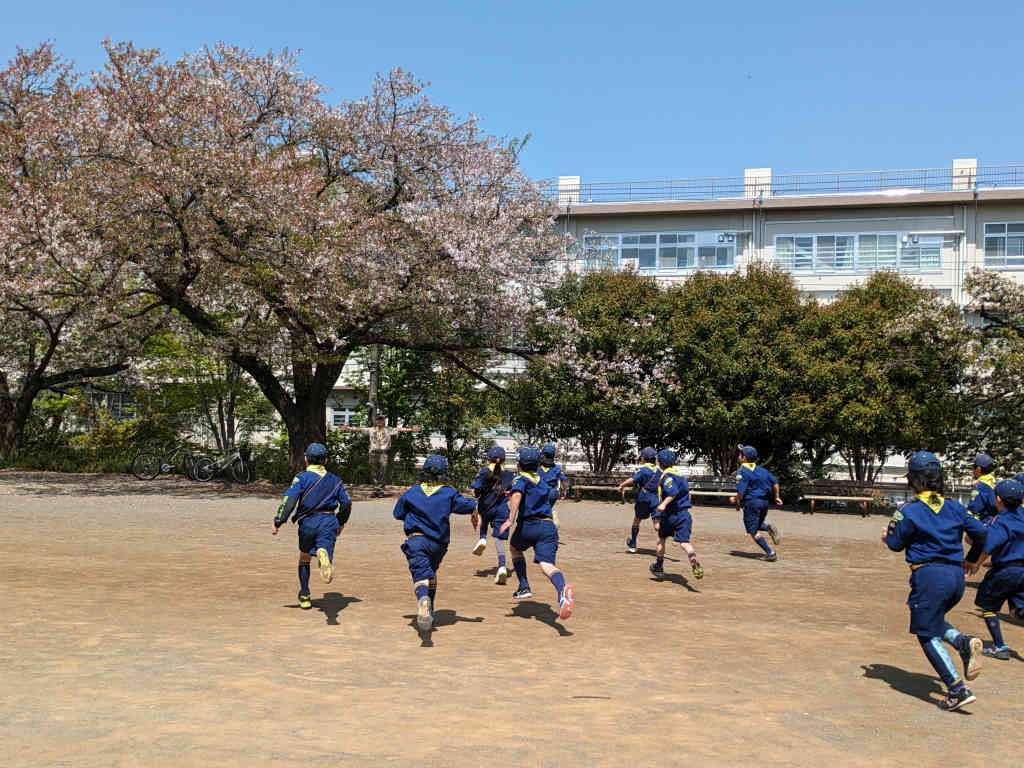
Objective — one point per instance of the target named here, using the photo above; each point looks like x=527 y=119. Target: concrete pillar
x=965 y=173
x=757 y=182
x=568 y=190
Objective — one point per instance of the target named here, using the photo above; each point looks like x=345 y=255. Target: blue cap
x=316 y=451
x=1010 y=489
x=548 y=450
x=528 y=457
x=748 y=451
x=648 y=454
x=982 y=460
x=436 y=464
x=923 y=460
x=1020 y=478
x=666 y=457
x=497 y=453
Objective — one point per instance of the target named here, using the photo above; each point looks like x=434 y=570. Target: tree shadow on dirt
x=910 y=683
x=531 y=609
x=676 y=578
x=483 y=574
x=444 y=617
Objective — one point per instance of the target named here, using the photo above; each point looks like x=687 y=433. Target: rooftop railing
x=898 y=182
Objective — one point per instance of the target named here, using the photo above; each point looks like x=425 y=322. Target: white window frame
x=601 y=257
x=857 y=266
x=1004 y=236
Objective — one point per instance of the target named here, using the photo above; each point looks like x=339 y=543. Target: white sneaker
x=424 y=614
x=481 y=545
x=502 y=576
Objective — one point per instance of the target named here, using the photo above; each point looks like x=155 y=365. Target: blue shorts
x=539 y=533
x=935 y=588
x=754 y=514
x=424 y=556
x=316 y=531
x=998 y=585
x=494 y=518
x=678 y=527
x=644 y=505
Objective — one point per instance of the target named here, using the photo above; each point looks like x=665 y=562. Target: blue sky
x=639 y=90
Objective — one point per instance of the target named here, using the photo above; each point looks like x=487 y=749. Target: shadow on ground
x=531 y=609
x=910 y=683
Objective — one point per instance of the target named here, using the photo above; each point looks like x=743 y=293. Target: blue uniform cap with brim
x=666 y=457
x=748 y=451
x=922 y=461
x=497 y=453
x=316 y=451
x=983 y=461
x=648 y=454
x=528 y=456
x=436 y=464
x=1020 y=478
x=1010 y=489
x=548 y=450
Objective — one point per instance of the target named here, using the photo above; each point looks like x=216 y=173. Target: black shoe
x=657 y=570
x=957 y=699
x=771 y=558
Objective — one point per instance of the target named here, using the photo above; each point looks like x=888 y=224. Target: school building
x=829 y=230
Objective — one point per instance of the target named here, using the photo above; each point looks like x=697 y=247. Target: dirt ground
x=156 y=624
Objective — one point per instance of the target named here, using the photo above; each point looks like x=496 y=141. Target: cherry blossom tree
x=63 y=302
x=291 y=231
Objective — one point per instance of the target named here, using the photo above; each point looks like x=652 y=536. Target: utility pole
x=374 y=378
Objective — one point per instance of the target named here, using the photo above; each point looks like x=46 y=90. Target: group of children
x=518 y=508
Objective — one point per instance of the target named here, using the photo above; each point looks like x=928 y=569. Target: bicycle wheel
x=205 y=469
x=188 y=464
x=240 y=471
x=146 y=466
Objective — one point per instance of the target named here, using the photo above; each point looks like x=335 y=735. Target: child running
x=674 y=508
x=555 y=478
x=318 y=503
x=491 y=486
x=425 y=509
x=1005 y=545
x=755 y=486
x=529 y=507
x=646 y=479
x=983 y=496
x=931 y=530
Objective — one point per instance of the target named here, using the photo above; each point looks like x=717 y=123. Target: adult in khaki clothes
x=380 y=444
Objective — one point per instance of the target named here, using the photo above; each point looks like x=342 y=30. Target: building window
x=600 y=252
x=344 y=417
x=660 y=251
x=118 y=404
x=922 y=252
x=641 y=248
x=1004 y=245
x=674 y=254
x=864 y=253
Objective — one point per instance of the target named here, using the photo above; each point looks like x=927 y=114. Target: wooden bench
x=596 y=481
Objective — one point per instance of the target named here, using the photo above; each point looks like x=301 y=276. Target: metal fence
x=895 y=182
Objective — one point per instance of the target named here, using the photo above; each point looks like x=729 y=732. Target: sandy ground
x=156 y=624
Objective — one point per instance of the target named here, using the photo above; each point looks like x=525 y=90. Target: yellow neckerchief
x=318 y=469
x=932 y=500
x=429 y=489
x=652 y=467
x=534 y=478
x=989 y=480
x=674 y=472
x=381 y=431
x=749 y=465
x=492 y=465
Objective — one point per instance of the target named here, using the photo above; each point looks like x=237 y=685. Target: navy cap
x=528 y=457
x=380 y=417
x=497 y=453
x=548 y=450
x=316 y=451
x=982 y=460
x=436 y=464
x=1020 y=478
x=748 y=451
x=666 y=457
x=648 y=454
x=923 y=460
x=1010 y=490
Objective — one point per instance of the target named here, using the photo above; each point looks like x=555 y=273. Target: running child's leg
x=566 y=593
x=658 y=566
x=519 y=565
x=481 y=543
x=695 y=565
x=633 y=533
x=304 y=596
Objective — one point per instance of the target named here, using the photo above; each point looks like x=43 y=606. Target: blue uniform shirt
x=552 y=476
x=932 y=528
x=1005 y=539
x=536 y=500
x=674 y=484
x=425 y=509
x=983 y=498
x=754 y=483
x=494 y=502
x=317 y=490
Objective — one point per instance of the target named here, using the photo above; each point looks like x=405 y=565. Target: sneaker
x=522 y=593
x=657 y=570
x=957 y=699
x=326 y=566
x=774 y=533
x=972 y=658
x=305 y=603
x=424 y=615
x=770 y=558
x=566 y=602
x=631 y=546
x=698 y=572
x=1015 y=614
x=1001 y=652
x=502 y=575
x=481 y=545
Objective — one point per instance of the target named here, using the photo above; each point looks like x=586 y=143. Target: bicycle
x=149 y=464
x=236 y=463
